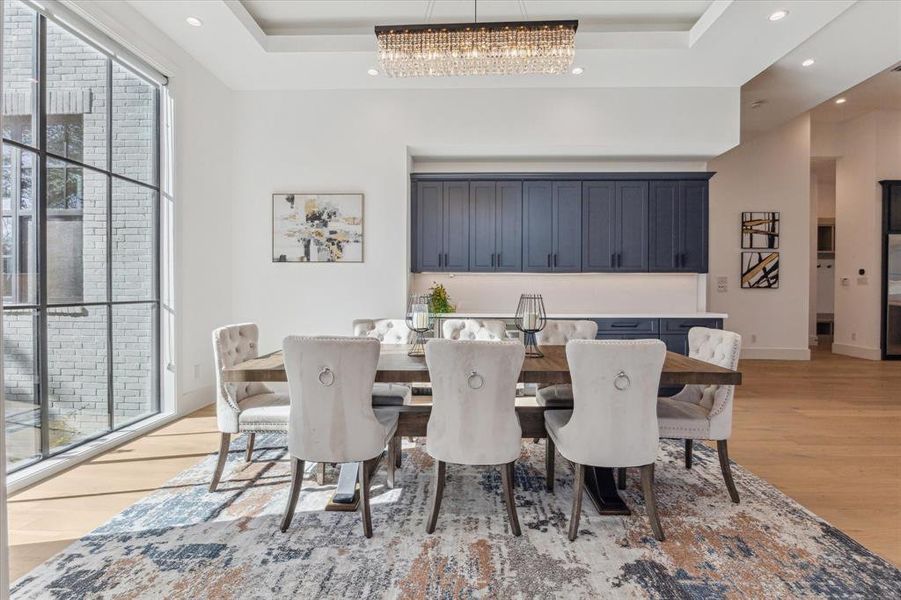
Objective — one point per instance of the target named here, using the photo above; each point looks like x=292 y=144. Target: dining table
x=397 y=366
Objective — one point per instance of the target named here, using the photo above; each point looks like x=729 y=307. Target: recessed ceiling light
x=373 y=72
x=778 y=15
x=193 y=21
x=808 y=62
x=841 y=100
x=578 y=70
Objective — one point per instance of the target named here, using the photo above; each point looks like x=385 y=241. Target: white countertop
x=509 y=315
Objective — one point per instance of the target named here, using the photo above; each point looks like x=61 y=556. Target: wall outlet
x=853 y=336
x=197 y=371
x=753 y=338
x=722 y=284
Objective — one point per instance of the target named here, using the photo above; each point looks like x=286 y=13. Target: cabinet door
x=482 y=225
x=509 y=226
x=632 y=225
x=430 y=225
x=456 y=226
x=693 y=226
x=599 y=226
x=567 y=227
x=538 y=226
x=663 y=232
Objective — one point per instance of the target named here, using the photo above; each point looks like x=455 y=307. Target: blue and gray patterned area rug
x=183 y=542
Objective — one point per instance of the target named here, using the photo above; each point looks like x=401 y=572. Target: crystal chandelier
x=510 y=48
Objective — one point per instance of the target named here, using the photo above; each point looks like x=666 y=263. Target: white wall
x=769 y=173
x=362 y=141
x=869 y=149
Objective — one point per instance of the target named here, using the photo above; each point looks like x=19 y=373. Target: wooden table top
x=396 y=367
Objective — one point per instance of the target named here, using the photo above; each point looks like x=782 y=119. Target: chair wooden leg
x=224 y=442
x=549 y=474
x=294 y=493
x=251 y=438
x=621 y=478
x=509 y=497
x=578 y=487
x=364 y=498
x=437 y=492
x=320 y=473
x=397 y=456
x=650 y=501
x=723 y=450
x=391 y=460
x=689 y=447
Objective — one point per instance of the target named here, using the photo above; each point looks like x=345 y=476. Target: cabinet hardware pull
x=613 y=260
x=555 y=260
x=445 y=260
x=548 y=261
x=629 y=324
x=439 y=259
x=499 y=258
x=492 y=259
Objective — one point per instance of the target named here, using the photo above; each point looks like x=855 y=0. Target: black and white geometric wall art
x=317 y=227
x=760 y=270
x=760 y=230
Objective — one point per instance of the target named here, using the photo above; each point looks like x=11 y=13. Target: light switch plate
x=722 y=284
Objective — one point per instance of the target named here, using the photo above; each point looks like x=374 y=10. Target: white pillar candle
x=420 y=320
x=529 y=320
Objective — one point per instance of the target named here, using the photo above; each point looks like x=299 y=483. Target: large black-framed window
x=80 y=239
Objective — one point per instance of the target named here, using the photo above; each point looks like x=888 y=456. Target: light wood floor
x=827 y=433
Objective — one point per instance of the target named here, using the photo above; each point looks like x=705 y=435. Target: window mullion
x=109 y=241
x=40 y=210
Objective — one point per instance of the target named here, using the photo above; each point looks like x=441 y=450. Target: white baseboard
x=857 y=351
x=196 y=399
x=775 y=353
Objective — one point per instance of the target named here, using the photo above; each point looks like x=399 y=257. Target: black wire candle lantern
x=530 y=319
x=420 y=321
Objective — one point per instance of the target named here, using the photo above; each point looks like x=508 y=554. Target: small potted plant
x=439 y=301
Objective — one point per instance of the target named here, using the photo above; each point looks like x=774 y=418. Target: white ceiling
x=360 y=16
x=263 y=45
x=882 y=91
x=864 y=41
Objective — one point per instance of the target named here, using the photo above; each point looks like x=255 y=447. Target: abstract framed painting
x=760 y=230
x=317 y=228
x=760 y=270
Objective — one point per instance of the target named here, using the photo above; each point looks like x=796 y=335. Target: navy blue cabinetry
x=441 y=237
x=678 y=226
x=565 y=223
x=614 y=226
x=495 y=241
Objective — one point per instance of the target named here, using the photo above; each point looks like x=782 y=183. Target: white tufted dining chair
x=249 y=408
x=389 y=332
x=473 y=419
x=704 y=412
x=558 y=333
x=474 y=329
x=332 y=419
x=612 y=423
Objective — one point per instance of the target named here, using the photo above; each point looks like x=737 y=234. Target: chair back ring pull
x=475 y=380
x=622 y=381
x=326 y=376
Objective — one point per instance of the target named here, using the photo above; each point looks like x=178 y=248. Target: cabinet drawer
x=683 y=325
x=603 y=335
x=627 y=326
